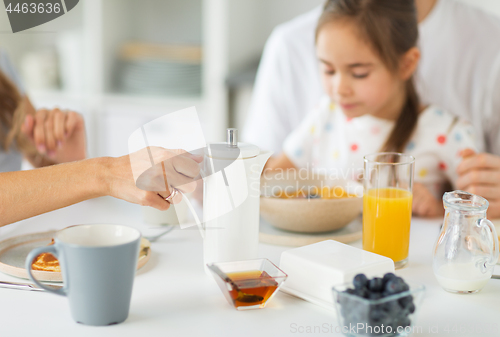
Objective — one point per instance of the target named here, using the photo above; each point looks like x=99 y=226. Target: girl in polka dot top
x=367 y=53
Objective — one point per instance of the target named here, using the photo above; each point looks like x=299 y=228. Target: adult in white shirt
x=459 y=71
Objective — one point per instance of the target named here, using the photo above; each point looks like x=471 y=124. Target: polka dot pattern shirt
x=328 y=142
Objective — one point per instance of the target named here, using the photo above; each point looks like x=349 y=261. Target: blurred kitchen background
x=122 y=63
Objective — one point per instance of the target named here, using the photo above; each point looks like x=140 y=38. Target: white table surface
x=173 y=296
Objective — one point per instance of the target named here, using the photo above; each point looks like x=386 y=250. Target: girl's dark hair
x=12 y=114
x=391 y=27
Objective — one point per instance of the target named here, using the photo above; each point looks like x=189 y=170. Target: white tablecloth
x=173 y=296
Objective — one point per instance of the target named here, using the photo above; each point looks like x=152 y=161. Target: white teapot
x=231 y=199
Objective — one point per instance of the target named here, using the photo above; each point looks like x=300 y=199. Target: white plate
x=13 y=253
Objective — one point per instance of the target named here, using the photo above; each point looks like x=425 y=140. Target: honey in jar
x=254 y=287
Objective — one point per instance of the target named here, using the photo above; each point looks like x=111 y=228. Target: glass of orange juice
x=387 y=199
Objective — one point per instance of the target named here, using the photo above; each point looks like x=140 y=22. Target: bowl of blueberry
x=381 y=306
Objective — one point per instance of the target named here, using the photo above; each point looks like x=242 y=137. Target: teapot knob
x=232 y=137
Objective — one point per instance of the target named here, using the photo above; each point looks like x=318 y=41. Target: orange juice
x=386 y=222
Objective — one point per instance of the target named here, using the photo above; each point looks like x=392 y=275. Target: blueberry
x=350 y=291
x=376 y=284
x=411 y=308
x=374 y=296
x=403 y=323
x=388 y=277
x=377 y=314
x=387 y=321
x=392 y=308
x=362 y=292
x=405 y=302
x=360 y=281
x=313 y=196
x=395 y=285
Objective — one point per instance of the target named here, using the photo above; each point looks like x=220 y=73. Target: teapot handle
x=490 y=227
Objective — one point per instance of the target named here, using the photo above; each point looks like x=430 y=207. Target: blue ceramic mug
x=98 y=264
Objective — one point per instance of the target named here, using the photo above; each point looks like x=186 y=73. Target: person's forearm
x=24 y=194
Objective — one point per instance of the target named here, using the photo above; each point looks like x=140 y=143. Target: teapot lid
x=231 y=149
x=222 y=151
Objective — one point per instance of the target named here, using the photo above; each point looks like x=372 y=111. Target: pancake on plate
x=48 y=262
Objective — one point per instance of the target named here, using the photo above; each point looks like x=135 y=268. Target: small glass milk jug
x=467 y=247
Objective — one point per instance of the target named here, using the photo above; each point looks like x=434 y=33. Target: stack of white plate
x=160 y=70
x=160 y=77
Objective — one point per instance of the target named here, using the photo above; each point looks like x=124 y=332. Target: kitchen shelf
x=88 y=40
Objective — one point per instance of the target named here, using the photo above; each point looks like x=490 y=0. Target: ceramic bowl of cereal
x=313 y=204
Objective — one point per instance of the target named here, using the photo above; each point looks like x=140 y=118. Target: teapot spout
x=262 y=159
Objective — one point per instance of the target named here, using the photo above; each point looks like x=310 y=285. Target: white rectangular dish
x=313 y=269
